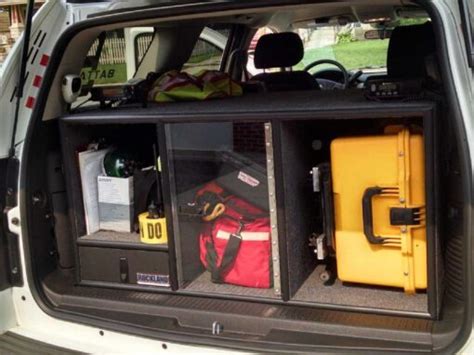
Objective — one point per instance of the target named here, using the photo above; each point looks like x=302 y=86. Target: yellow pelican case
x=379 y=207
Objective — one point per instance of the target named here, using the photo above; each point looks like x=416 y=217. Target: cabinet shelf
x=120 y=240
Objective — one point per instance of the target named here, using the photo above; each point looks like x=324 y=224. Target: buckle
x=400 y=216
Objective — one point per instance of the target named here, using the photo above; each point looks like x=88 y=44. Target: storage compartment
x=221 y=179
x=309 y=146
x=115 y=193
x=246 y=201
x=123 y=266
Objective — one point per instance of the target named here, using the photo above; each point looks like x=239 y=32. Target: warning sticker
x=249 y=180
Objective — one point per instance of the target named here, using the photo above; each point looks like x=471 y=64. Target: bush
x=345 y=37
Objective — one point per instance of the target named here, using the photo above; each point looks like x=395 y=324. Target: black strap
x=228 y=258
x=143 y=184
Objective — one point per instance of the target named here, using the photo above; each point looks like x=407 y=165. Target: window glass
x=106 y=61
x=111 y=67
x=220 y=176
x=357 y=46
x=345 y=44
x=467 y=21
x=208 y=51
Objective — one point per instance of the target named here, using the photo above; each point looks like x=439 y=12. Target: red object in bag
x=236 y=247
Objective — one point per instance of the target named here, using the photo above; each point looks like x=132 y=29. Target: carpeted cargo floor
x=313 y=290
x=203 y=284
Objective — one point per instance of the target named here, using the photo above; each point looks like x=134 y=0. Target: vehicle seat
x=408 y=50
x=282 y=50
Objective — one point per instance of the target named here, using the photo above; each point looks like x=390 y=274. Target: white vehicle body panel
x=50 y=21
x=130 y=59
x=7 y=311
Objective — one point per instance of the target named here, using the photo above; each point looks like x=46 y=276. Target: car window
x=105 y=62
x=347 y=45
x=357 y=46
x=208 y=51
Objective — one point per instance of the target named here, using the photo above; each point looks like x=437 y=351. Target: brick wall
x=5 y=38
x=4 y=22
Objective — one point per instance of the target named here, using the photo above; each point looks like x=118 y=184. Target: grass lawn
x=351 y=55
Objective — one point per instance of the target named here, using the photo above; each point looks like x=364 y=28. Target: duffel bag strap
x=228 y=258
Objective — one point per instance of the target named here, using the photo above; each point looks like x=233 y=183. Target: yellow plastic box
x=379 y=207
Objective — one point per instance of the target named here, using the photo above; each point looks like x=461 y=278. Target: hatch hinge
x=12 y=224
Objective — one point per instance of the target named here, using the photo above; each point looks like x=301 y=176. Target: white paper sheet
x=90 y=167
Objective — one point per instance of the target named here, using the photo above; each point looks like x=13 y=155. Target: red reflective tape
x=37 y=81
x=30 y=102
x=44 y=60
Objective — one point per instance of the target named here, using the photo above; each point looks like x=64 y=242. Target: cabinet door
x=211 y=164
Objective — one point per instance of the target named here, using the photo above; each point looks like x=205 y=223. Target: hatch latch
x=404 y=216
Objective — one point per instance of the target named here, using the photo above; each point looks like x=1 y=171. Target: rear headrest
x=278 y=50
x=408 y=48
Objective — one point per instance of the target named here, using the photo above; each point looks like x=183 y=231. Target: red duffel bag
x=235 y=248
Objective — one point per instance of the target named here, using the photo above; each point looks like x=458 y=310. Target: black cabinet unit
x=260 y=150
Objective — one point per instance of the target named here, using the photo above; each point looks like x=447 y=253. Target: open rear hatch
x=277 y=221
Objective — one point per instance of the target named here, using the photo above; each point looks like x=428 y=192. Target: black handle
x=367 y=214
x=123 y=265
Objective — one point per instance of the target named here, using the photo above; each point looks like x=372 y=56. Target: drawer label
x=153 y=279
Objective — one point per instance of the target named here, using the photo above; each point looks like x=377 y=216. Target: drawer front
x=135 y=267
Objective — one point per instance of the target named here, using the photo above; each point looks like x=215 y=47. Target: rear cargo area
x=280 y=153
x=294 y=220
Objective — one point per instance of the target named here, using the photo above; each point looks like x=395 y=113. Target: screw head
x=15 y=221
